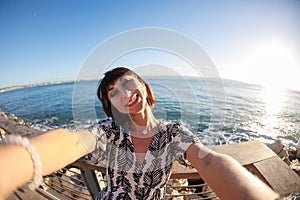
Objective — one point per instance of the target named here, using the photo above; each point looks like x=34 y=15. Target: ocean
x=217 y=114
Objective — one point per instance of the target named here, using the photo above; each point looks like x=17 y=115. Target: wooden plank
x=251 y=168
x=82 y=164
x=279 y=175
x=12 y=127
x=25 y=193
x=246 y=152
x=179 y=172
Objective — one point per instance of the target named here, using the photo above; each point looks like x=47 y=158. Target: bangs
x=109 y=78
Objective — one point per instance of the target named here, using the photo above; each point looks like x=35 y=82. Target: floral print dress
x=127 y=178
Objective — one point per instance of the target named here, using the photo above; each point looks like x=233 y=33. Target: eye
x=113 y=93
x=125 y=81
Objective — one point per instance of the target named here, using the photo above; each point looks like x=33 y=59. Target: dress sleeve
x=183 y=139
x=103 y=131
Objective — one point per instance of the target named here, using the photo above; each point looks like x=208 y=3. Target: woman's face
x=128 y=95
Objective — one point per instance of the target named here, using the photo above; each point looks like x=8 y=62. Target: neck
x=144 y=120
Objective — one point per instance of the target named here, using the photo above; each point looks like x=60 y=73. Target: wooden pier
x=253 y=155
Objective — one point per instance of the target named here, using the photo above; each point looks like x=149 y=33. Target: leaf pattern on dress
x=153 y=178
x=154 y=173
x=123 y=196
x=172 y=128
x=123 y=182
x=136 y=177
x=142 y=193
x=158 y=142
x=110 y=196
x=156 y=195
x=125 y=154
x=107 y=127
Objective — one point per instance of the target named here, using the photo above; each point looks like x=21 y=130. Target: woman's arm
x=227 y=178
x=56 y=148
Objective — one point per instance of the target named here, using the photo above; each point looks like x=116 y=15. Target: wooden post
x=91 y=181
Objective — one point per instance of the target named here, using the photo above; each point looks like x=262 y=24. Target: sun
x=273 y=64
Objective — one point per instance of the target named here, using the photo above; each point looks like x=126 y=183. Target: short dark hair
x=110 y=78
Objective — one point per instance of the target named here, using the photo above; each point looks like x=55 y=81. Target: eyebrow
x=110 y=89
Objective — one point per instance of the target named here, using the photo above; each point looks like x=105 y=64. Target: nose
x=125 y=92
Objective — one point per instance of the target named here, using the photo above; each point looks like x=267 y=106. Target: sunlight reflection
x=274 y=98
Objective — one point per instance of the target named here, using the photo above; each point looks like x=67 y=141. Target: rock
x=175 y=192
x=4 y=115
x=283 y=154
x=298 y=153
x=292 y=151
x=2 y=133
x=208 y=193
x=175 y=183
x=178 y=182
x=295 y=165
x=277 y=146
x=15 y=119
x=190 y=196
x=178 y=190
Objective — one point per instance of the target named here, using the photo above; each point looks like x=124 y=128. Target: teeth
x=132 y=99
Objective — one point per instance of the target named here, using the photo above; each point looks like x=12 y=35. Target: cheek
x=116 y=103
x=144 y=91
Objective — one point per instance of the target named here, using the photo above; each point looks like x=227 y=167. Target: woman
x=139 y=149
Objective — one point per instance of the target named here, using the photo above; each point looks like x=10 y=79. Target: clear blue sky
x=45 y=41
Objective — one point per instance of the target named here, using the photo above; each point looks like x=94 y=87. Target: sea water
x=217 y=111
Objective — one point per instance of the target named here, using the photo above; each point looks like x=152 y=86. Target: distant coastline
x=19 y=87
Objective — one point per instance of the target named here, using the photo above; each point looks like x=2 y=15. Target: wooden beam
x=279 y=175
x=91 y=181
x=246 y=152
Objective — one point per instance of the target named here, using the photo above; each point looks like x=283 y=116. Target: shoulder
x=174 y=126
x=106 y=126
x=108 y=123
x=180 y=130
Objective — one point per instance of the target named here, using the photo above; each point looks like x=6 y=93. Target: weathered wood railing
x=253 y=155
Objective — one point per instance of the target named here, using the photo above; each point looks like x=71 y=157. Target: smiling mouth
x=133 y=99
